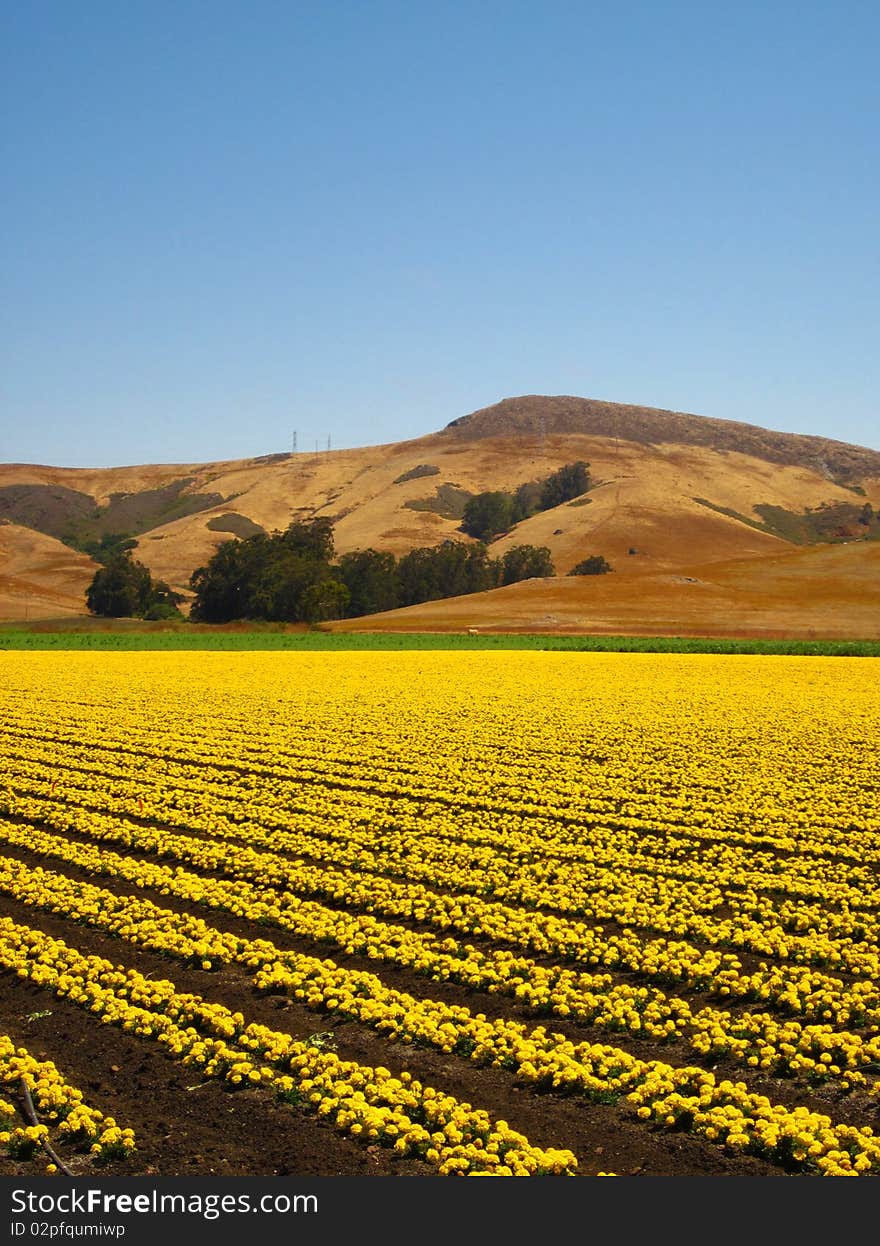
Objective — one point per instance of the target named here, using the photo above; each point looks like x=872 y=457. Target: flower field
x=439 y=913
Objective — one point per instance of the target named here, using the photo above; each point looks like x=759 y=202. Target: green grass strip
x=308 y=642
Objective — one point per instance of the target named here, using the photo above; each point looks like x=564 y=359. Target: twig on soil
x=29 y=1105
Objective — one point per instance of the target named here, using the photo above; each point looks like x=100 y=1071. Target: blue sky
x=224 y=223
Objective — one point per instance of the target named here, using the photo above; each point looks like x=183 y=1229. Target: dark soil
x=186 y=1126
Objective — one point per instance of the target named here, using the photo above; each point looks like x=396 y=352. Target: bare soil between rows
x=186 y=1126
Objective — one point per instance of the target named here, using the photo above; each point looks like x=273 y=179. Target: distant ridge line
x=543 y=415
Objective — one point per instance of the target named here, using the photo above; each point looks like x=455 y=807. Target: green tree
x=450 y=569
x=277 y=591
x=370 y=576
x=464 y=568
x=310 y=538
x=526 y=562
x=594 y=565
x=265 y=577
x=527 y=500
x=568 y=482
x=224 y=587
x=102 y=549
x=418 y=577
x=322 y=600
x=288 y=577
x=163 y=603
x=124 y=588
x=486 y=515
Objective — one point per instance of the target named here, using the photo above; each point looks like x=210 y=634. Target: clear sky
x=226 y=222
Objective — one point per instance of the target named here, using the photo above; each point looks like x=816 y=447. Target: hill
x=673 y=495
x=534 y=415
x=829 y=593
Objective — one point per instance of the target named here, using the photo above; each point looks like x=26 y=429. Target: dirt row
x=185 y=1126
x=843 y=1107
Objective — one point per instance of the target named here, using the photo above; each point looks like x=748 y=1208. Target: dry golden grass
x=39 y=577
x=828 y=592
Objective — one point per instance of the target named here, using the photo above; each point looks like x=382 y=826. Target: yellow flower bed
x=682 y=849
x=221 y=1044
x=61 y=1107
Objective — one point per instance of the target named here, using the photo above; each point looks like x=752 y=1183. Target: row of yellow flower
x=810 y=993
x=368 y=1103
x=230 y=785
x=759 y=1040
x=421 y=760
x=639 y=899
x=796 y=805
x=694 y=800
x=601 y=867
x=544 y=1060
x=59 y=1104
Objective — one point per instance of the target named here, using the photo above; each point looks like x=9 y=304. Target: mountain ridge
x=669 y=491
x=536 y=415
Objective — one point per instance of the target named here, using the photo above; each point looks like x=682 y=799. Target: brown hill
x=671 y=492
x=39 y=577
x=534 y=416
x=819 y=592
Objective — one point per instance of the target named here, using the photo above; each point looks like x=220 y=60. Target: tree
x=527 y=500
x=371 y=579
x=526 y=562
x=418 y=577
x=266 y=577
x=164 y=602
x=464 y=568
x=568 y=482
x=487 y=514
x=223 y=588
x=311 y=538
x=102 y=549
x=124 y=588
x=323 y=599
x=277 y=593
x=450 y=569
x=594 y=565
x=289 y=577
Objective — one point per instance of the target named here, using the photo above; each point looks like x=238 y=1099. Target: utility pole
x=293 y=450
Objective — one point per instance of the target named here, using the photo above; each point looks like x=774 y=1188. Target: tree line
x=487 y=515
x=294 y=576
x=124 y=589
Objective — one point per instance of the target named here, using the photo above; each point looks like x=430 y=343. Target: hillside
x=821 y=592
x=535 y=415
x=671 y=492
